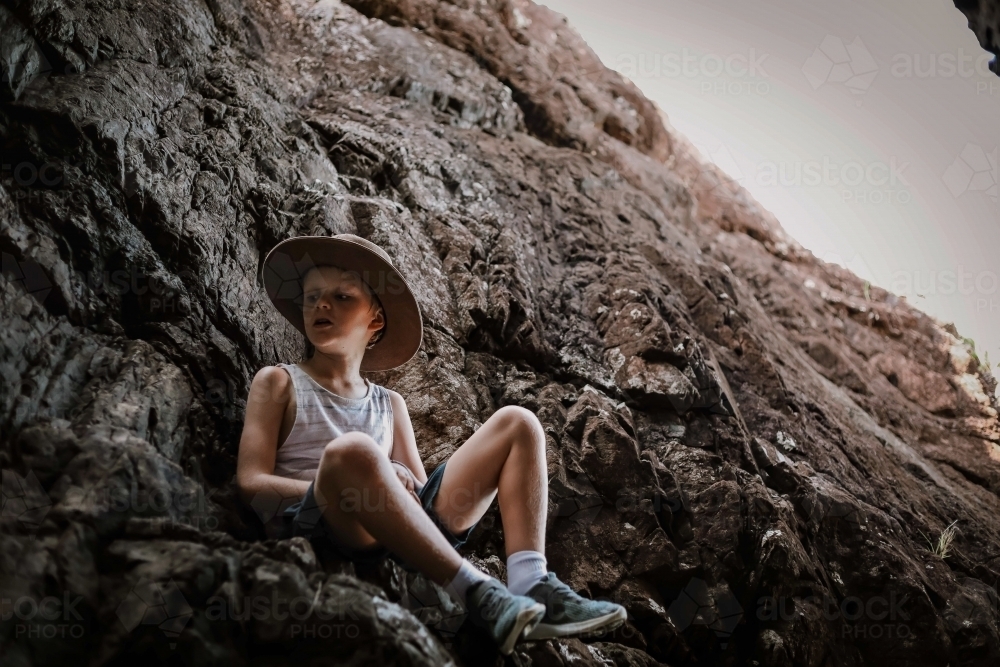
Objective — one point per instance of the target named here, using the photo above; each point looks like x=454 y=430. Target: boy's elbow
x=245 y=486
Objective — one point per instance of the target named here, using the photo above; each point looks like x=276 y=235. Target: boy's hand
x=407 y=478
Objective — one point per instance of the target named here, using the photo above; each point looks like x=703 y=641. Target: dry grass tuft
x=942 y=547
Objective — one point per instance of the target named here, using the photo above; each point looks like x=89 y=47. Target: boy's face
x=339 y=314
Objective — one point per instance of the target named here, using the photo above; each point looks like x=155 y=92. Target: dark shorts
x=305 y=519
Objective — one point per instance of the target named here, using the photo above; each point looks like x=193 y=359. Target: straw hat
x=288 y=263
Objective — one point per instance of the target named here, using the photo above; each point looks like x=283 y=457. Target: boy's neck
x=337 y=373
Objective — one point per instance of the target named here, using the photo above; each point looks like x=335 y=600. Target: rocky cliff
x=750 y=449
x=984 y=20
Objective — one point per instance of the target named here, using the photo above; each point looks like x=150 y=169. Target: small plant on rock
x=942 y=547
x=972 y=350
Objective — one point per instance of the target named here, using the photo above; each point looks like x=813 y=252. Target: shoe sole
x=590 y=626
x=526 y=621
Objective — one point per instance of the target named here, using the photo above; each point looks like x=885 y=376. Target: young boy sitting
x=343 y=448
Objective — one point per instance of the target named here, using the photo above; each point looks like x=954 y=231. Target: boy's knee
x=522 y=421
x=354 y=449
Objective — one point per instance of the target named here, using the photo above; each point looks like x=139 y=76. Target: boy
x=345 y=448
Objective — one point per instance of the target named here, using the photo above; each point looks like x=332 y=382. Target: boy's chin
x=322 y=336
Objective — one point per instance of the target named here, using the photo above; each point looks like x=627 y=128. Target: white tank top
x=321 y=416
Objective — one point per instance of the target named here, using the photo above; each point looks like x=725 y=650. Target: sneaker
x=506 y=616
x=568 y=614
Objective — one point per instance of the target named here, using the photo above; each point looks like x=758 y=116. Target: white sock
x=524 y=569
x=467 y=575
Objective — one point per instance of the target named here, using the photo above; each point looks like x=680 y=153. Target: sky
x=869 y=128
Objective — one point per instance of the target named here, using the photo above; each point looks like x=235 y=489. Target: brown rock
x=746 y=447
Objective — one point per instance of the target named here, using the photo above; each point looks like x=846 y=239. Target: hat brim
x=288 y=263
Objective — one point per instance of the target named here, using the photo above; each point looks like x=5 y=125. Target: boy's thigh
x=306 y=519
x=455 y=501
x=469 y=481
x=456 y=532
x=336 y=518
x=309 y=518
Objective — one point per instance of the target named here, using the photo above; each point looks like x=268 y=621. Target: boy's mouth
x=321 y=321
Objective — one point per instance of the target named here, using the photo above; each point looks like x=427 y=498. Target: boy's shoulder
x=272 y=378
x=272 y=372
x=394 y=396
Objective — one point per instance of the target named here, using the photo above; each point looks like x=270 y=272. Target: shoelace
x=564 y=589
x=560 y=598
x=490 y=607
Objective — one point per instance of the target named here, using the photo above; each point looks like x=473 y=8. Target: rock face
x=748 y=448
x=984 y=20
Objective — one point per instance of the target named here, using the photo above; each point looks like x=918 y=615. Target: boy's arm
x=404 y=442
x=269 y=394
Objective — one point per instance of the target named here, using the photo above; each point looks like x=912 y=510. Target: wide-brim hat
x=287 y=264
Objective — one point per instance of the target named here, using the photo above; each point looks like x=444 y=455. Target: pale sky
x=794 y=98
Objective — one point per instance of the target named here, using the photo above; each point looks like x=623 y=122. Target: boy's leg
x=353 y=465
x=365 y=504
x=505 y=458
